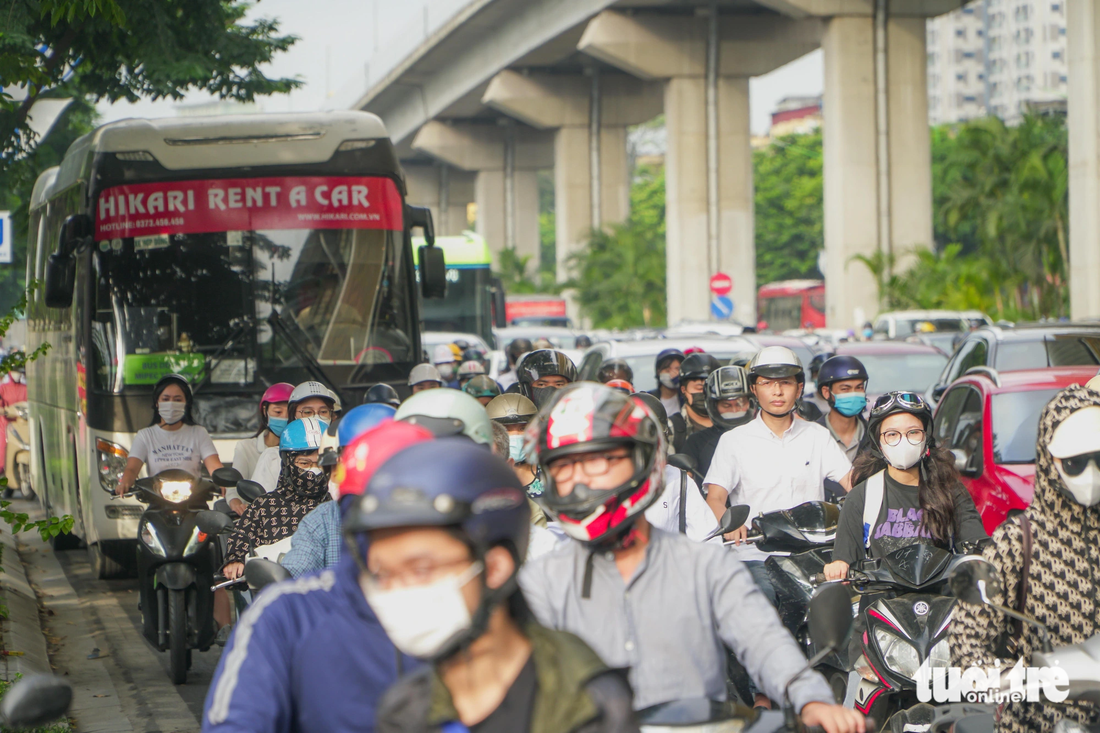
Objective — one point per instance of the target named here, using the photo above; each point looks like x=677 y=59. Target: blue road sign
x=721 y=307
x=6 y=242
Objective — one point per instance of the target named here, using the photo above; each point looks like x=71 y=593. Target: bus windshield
x=239 y=300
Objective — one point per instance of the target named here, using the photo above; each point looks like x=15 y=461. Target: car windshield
x=902 y=372
x=928 y=325
x=1016 y=424
x=1058 y=350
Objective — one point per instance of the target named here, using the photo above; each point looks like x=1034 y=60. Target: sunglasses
x=1075 y=465
x=906 y=400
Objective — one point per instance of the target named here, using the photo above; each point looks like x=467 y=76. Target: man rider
x=542 y=373
x=515 y=352
x=612 y=369
x=729 y=405
x=667 y=390
x=424 y=377
x=514 y=412
x=443 y=359
x=692 y=417
x=647 y=600
x=439 y=539
x=842 y=383
x=774 y=461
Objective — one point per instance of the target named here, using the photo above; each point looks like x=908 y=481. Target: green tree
x=129 y=49
x=787 y=176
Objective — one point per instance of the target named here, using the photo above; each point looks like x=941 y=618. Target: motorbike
x=17 y=462
x=177 y=562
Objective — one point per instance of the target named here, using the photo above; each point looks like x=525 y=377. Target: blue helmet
x=361 y=419
x=302 y=435
x=840 y=368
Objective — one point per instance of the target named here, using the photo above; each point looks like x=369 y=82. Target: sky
x=336 y=47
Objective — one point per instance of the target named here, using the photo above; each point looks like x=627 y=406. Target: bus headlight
x=111 y=458
x=151 y=540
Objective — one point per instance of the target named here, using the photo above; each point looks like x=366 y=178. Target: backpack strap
x=1025 y=573
x=873 y=489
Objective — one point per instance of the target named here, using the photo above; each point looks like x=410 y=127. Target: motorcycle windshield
x=815 y=516
x=917 y=564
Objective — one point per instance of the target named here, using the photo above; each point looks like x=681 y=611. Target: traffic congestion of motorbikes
x=759 y=542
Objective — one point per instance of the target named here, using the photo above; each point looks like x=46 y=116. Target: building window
x=1056 y=7
x=1056 y=54
x=960 y=33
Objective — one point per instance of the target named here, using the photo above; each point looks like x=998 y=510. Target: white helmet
x=424 y=373
x=775 y=362
x=470 y=369
x=448 y=412
x=443 y=354
x=305 y=390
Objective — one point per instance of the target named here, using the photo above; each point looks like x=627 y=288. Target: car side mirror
x=249 y=491
x=36 y=700
x=226 y=477
x=734 y=517
x=938 y=390
x=430 y=260
x=965 y=463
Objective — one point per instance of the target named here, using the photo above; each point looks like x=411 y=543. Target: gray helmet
x=727 y=383
x=447 y=412
x=511 y=409
x=775 y=362
x=424 y=373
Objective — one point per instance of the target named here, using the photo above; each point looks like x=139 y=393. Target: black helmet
x=666 y=356
x=817 y=361
x=840 y=368
x=518 y=348
x=614 y=369
x=540 y=364
x=472 y=354
x=582 y=342
x=727 y=383
x=382 y=393
x=892 y=403
x=449 y=482
x=697 y=366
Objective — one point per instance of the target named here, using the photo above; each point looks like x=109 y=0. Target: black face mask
x=306 y=483
x=542 y=396
x=698 y=403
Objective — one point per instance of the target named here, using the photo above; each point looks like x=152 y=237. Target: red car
x=990 y=422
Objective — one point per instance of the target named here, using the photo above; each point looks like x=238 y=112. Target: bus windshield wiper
x=308 y=360
x=217 y=358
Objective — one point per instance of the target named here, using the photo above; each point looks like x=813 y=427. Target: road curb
x=21 y=631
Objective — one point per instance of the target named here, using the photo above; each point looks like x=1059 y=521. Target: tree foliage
x=130 y=49
x=790 y=233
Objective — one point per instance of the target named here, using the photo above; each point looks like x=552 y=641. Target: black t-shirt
x=701 y=445
x=899 y=522
x=513 y=715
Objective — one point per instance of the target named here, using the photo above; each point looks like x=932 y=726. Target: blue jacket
x=308 y=656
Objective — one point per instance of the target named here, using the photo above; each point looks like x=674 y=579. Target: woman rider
x=273 y=420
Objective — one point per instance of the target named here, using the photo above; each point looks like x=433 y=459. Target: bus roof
x=790 y=286
x=42 y=185
x=230 y=141
x=468 y=249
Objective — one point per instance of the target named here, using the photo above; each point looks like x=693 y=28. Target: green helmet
x=481 y=386
x=447 y=412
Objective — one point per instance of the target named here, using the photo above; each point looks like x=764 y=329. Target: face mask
x=421 y=620
x=850 y=404
x=541 y=396
x=308 y=482
x=534 y=489
x=447 y=371
x=668 y=381
x=171 y=412
x=277 y=425
x=733 y=415
x=515 y=447
x=1084 y=488
x=334 y=490
x=904 y=455
x=868 y=333
x=698 y=403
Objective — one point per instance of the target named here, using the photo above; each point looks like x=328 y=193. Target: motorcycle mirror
x=221 y=505
x=261 y=573
x=974 y=580
x=35 y=701
x=249 y=491
x=830 y=616
x=226 y=477
x=684 y=462
x=734 y=517
x=213 y=523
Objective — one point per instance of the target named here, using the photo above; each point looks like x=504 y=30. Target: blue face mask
x=850 y=404
x=276 y=425
x=868 y=333
x=515 y=447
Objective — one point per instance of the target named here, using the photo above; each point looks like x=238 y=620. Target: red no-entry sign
x=721 y=283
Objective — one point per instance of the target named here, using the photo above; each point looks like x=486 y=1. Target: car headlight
x=111 y=458
x=941 y=654
x=175 y=492
x=899 y=655
x=193 y=544
x=151 y=540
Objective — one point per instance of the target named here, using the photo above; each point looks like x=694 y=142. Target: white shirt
x=769 y=473
x=266 y=473
x=161 y=449
x=671 y=404
x=247 y=453
x=665 y=512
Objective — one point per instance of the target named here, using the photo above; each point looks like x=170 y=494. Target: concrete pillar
x=1083 y=48
x=853 y=217
x=443 y=189
x=489 y=193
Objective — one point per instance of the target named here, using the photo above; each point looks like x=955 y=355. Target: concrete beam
x=897 y=8
x=1083 y=47
x=652 y=46
x=547 y=101
x=480 y=147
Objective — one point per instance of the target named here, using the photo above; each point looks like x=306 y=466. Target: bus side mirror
x=76 y=234
x=433 y=272
x=499 y=305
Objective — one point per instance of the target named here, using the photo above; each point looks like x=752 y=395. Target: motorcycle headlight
x=175 y=492
x=900 y=655
x=941 y=655
x=151 y=540
x=193 y=544
x=111 y=458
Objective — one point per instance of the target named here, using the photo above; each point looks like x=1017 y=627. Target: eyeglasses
x=593 y=464
x=420 y=573
x=324 y=413
x=1075 y=465
x=893 y=437
x=906 y=400
x=306 y=463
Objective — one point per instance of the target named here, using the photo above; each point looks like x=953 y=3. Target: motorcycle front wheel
x=177 y=636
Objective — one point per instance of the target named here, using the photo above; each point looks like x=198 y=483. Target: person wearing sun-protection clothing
x=1063 y=565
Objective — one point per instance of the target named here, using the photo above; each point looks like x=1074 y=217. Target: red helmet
x=588 y=417
x=362 y=456
x=278 y=392
x=622 y=385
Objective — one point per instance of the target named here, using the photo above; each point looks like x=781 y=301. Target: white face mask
x=447 y=371
x=733 y=415
x=334 y=490
x=1085 y=486
x=904 y=455
x=171 y=412
x=668 y=381
x=421 y=620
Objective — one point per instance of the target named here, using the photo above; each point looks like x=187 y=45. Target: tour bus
x=237 y=251
x=791 y=304
x=474 y=301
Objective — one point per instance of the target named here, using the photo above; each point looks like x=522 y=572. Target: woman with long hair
x=915 y=484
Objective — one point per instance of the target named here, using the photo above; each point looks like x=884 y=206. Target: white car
x=899 y=324
x=641 y=356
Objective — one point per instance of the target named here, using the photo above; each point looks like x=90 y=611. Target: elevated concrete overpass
x=509 y=87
